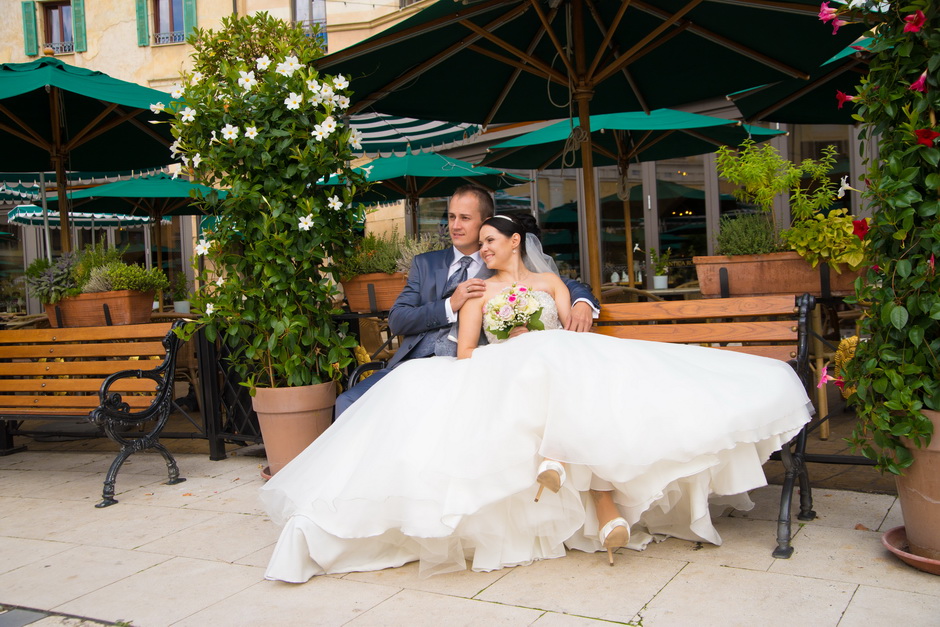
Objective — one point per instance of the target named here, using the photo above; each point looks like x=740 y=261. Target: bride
x=507 y=455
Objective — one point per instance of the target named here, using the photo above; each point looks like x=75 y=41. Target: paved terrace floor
x=194 y=554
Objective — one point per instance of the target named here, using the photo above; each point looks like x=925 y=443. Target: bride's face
x=496 y=250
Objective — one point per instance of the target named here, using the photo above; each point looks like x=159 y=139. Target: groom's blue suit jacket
x=419 y=309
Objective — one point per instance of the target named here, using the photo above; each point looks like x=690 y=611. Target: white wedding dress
x=437 y=462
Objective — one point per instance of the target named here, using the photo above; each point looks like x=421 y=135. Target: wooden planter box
x=387 y=287
x=774 y=273
x=88 y=310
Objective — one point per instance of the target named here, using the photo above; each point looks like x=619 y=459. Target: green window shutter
x=143 y=26
x=189 y=17
x=78 y=25
x=30 y=42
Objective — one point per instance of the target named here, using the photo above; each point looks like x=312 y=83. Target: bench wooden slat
x=156 y=330
x=21 y=403
x=783 y=353
x=75 y=385
x=53 y=351
x=699 y=309
x=75 y=368
x=694 y=333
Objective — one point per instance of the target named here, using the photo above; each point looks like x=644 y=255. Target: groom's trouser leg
x=353 y=394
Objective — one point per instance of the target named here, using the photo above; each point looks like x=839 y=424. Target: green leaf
x=899 y=317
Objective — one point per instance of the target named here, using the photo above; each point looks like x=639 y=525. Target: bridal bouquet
x=513 y=307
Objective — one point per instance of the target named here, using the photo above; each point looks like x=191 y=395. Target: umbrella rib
x=538 y=63
x=554 y=76
x=79 y=138
x=704 y=138
x=517 y=72
x=28 y=137
x=725 y=42
x=370 y=46
x=608 y=35
x=668 y=21
x=388 y=88
x=627 y=75
x=804 y=90
x=547 y=27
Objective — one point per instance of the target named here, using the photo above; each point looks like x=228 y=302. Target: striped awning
x=387 y=135
x=31 y=215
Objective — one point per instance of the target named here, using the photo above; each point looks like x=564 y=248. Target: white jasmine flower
x=251 y=132
x=315 y=98
x=175 y=148
x=263 y=62
x=844 y=186
x=340 y=82
x=220 y=281
x=367 y=169
x=306 y=222
x=177 y=93
x=197 y=160
x=293 y=101
x=209 y=309
x=185 y=160
x=188 y=114
x=229 y=132
x=176 y=175
x=335 y=203
x=326 y=91
x=247 y=80
x=329 y=124
x=342 y=102
x=202 y=248
x=288 y=66
x=197 y=77
x=355 y=139
x=334 y=100
x=319 y=133
x=157 y=108
x=313 y=85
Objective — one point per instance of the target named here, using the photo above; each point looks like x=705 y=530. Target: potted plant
x=256 y=118
x=660 y=268
x=180 y=288
x=373 y=262
x=760 y=256
x=94 y=287
x=896 y=367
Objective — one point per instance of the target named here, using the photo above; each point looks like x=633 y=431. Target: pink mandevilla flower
x=860 y=228
x=837 y=24
x=915 y=22
x=931 y=262
x=926 y=136
x=824 y=379
x=826 y=13
x=843 y=98
x=921 y=83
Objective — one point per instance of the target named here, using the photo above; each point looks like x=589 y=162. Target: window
x=309 y=14
x=57 y=22
x=168 y=22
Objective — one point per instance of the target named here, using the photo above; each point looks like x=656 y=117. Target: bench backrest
x=769 y=326
x=60 y=371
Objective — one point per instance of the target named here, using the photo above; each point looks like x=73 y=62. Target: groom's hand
x=581 y=318
x=471 y=288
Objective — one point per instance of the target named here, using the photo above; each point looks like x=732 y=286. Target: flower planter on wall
x=774 y=273
x=88 y=310
x=387 y=287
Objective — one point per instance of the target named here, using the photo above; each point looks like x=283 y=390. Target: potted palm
x=760 y=256
x=256 y=118
x=896 y=367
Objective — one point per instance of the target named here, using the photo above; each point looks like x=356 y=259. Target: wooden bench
x=769 y=326
x=101 y=374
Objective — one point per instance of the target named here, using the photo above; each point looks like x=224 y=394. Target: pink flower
x=826 y=13
x=522 y=288
x=843 y=98
x=860 y=228
x=915 y=21
x=926 y=136
x=839 y=383
x=931 y=262
x=836 y=24
x=921 y=83
x=876 y=268
x=824 y=379
x=505 y=312
x=512 y=298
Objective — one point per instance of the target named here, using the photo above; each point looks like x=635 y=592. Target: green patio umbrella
x=811 y=101
x=524 y=60
x=422 y=175
x=61 y=117
x=624 y=138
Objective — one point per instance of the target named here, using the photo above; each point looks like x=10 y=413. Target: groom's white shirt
x=472 y=270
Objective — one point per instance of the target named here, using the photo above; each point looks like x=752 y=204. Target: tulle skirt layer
x=437 y=462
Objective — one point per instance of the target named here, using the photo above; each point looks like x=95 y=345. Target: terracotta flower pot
x=87 y=310
x=919 y=494
x=774 y=273
x=387 y=287
x=291 y=418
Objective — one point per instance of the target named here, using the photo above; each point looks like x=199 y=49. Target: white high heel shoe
x=613 y=535
x=551 y=475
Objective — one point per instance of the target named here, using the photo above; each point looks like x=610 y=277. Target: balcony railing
x=172 y=37
x=61 y=47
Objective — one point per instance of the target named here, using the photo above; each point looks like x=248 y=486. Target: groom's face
x=464 y=222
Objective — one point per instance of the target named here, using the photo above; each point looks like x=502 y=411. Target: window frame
x=54 y=8
x=172 y=36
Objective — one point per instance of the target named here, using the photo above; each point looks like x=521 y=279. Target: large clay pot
x=919 y=494
x=387 y=287
x=87 y=310
x=774 y=273
x=291 y=418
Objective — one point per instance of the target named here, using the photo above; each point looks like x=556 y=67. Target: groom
x=425 y=310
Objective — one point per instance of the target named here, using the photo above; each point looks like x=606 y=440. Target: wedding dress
x=438 y=462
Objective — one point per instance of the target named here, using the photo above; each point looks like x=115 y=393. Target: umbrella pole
x=158 y=236
x=627 y=220
x=45 y=216
x=58 y=159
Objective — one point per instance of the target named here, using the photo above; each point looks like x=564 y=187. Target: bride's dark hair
x=521 y=223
